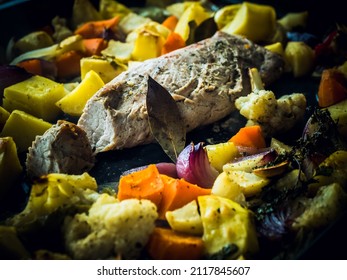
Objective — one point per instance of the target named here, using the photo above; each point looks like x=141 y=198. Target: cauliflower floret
x=110 y=229
x=273 y=115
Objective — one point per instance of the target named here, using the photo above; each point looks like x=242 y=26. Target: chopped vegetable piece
x=33 y=41
x=338 y=113
x=153 y=43
x=177 y=193
x=165 y=244
x=112 y=8
x=186 y=219
x=68 y=64
x=249 y=136
x=221 y=153
x=225 y=187
x=143 y=184
x=94 y=46
x=226 y=14
x=10 y=167
x=255 y=22
x=83 y=11
x=106 y=68
x=291 y=21
x=170 y=22
x=96 y=29
x=74 y=102
x=300 y=58
x=227 y=223
x=4 y=115
x=118 y=50
x=276 y=48
x=36 y=96
x=332 y=88
x=41 y=67
x=173 y=42
x=29 y=125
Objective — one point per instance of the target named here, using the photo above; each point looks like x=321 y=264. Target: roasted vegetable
x=30 y=127
x=11 y=248
x=33 y=41
x=10 y=167
x=111 y=229
x=166 y=244
x=4 y=115
x=227 y=223
x=221 y=153
x=338 y=113
x=255 y=22
x=36 y=96
x=74 y=102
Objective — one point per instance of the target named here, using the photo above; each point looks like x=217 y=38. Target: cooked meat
x=204 y=78
x=64 y=148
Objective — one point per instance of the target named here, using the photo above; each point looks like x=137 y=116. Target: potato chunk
x=36 y=96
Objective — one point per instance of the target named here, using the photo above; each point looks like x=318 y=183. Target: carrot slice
x=166 y=244
x=173 y=42
x=249 y=136
x=170 y=22
x=95 y=29
x=142 y=184
x=331 y=88
x=177 y=193
x=68 y=64
x=32 y=66
x=94 y=46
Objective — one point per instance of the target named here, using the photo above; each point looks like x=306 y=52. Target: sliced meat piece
x=204 y=78
x=64 y=148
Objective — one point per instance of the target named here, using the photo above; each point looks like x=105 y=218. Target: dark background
x=23 y=18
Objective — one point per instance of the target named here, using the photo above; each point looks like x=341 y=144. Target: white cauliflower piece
x=273 y=115
x=110 y=229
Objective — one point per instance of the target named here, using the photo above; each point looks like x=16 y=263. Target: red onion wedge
x=193 y=166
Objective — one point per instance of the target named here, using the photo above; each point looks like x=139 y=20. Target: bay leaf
x=165 y=120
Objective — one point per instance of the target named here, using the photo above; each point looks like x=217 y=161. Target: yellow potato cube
x=220 y=154
x=300 y=58
x=35 y=96
x=227 y=223
x=74 y=102
x=255 y=22
x=107 y=69
x=227 y=188
x=23 y=128
x=10 y=167
x=4 y=114
x=186 y=219
x=147 y=45
x=276 y=48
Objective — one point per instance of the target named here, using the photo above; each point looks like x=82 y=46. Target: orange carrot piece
x=166 y=244
x=142 y=184
x=94 y=46
x=331 y=88
x=170 y=22
x=173 y=42
x=32 y=66
x=95 y=29
x=177 y=193
x=68 y=64
x=249 y=136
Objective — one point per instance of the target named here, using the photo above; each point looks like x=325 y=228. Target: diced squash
x=225 y=187
x=249 y=136
x=107 y=69
x=96 y=29
x=177 y=193
x=4 y=114
x=74 y=102
x=173 y=42
x=94 y=46
x=10 y=167
x=227 y=224
x=68 y=64
x=255 y=22
x=23 y=128
x=170 y=22
x=332 y=88
x=166 y=244
x=186 y=219
x=35 y=96
x=221 y=153
x=142 y=184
